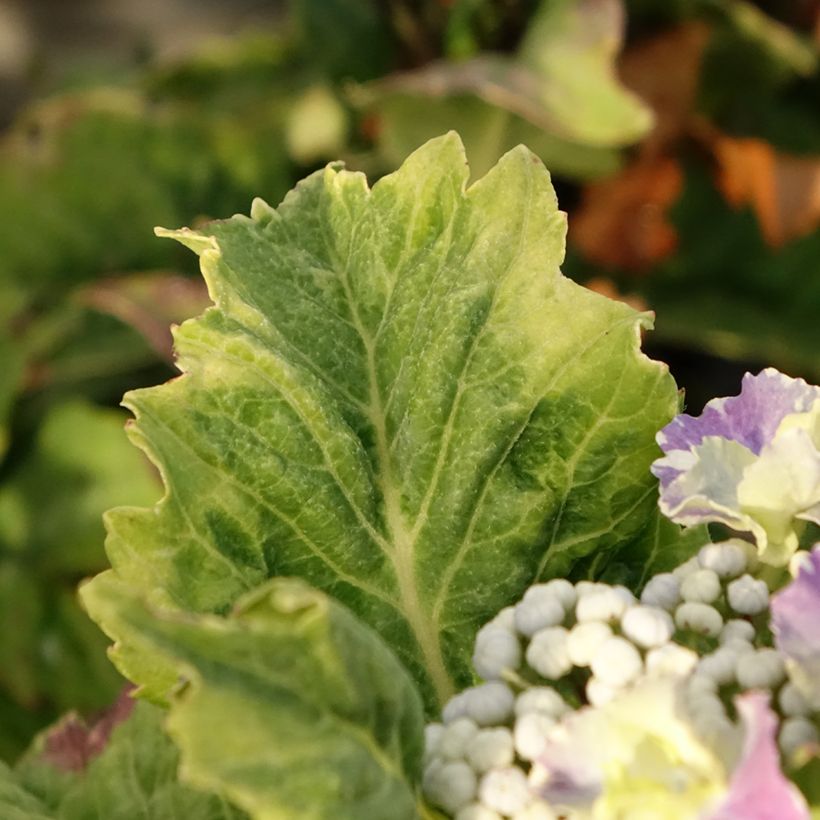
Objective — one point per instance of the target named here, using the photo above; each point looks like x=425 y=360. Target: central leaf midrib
x=400 y=540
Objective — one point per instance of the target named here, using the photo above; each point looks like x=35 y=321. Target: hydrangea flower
x=637 y=756
x=751 y=462
x=796 y=626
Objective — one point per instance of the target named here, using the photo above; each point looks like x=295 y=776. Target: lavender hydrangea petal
x=796 y=626
x=758 y=789
x=706 y=490
x=750 y=418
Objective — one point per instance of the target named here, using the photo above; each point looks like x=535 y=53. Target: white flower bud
x=702 y=586
x=543 y=699
x=496 y=649
x=433 y=732
x=662 y=590
x=505 y=619
x=738 y=646
x=536 y=811
x=538 y=612
x=449 y=784
x=456 y=738
x=717 y=730
x=598 y=693
x=455 y=708
x=585 y=639
x=530 y=734
x=727 y=559
x=477 y=811
x=762 y=669
x=547 y=653
x=792 y=702
x=585 y=587
x=489 y=704
x=737 y=628
x=605 y=604
x=705 y=706
x=719 y=665
x=491 y=749
x=564 y=591
x=686 y=568
x=700 y=618
x=617 y=662
x=796 y=732
x=647 y=626
x=671 y=659
x=748 y=595
x=505 y=790
x=626 y=595
x=699 y=685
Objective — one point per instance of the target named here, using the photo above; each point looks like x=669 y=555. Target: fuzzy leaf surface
x=293 y=707
x=399 y=398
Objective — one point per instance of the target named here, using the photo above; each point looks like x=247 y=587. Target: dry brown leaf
x=73 y=742
x=622 y=222
x=782 y=189
x=665 y=72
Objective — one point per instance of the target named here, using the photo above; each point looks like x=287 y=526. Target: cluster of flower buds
x=565 y=646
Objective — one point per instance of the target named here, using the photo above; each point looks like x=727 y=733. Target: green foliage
x=50 y=536
x=292 y=707
x=559 y=95
x=128 y=775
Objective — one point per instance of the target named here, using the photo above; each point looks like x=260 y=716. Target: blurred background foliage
x=683 y=137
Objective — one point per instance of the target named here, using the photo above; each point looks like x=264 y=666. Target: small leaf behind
x=294 y=708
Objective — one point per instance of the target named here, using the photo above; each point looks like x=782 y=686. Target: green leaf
x=560 y=96
x=659 y=547
x=130 y=773
x=399 y=398
x=16 y=803
x=406 y=121
x=293 y=708
x=573 y=46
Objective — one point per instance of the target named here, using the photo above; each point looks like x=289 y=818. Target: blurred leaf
x=165 y=163
x=782 y=189
x=407 y=122
x=623 y=222
x=726 y=291
x=121 y=767
x=149 y=303
x=11 y=373
x=572 y=46
x=794 y=51
x=16 y=803
x=50 y=535
x=347 y=38
x=665 y=71
x=560 y=96
x=293 y=707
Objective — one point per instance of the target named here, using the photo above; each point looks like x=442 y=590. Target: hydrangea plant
x=410 y=560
